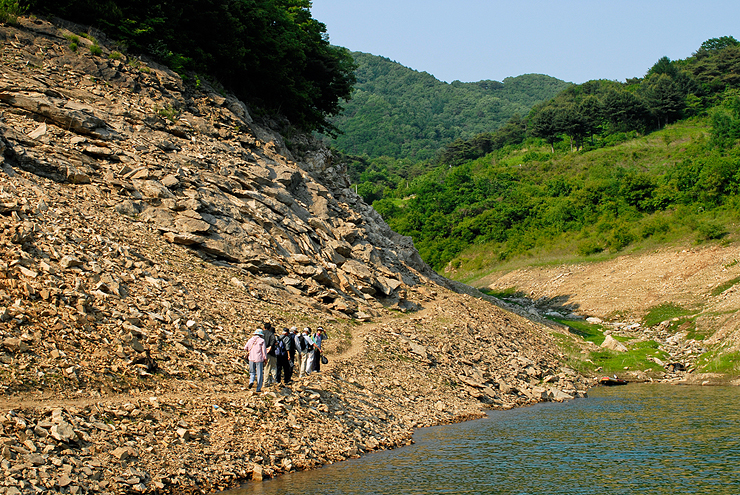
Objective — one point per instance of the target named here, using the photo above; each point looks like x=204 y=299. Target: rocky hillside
x=142 y=216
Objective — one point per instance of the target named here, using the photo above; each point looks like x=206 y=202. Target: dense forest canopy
x=271 y=53
x=401 y=113
x=593 y=169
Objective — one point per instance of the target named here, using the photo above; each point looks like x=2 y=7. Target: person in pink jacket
x=257 y=355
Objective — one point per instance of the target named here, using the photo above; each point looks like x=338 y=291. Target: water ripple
x=651 y=439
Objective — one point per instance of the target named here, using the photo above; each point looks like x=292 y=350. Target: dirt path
x=50 y=399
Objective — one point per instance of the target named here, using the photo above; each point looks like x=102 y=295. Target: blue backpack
x=280 y=348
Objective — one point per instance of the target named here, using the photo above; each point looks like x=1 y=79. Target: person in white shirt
x=307 y=361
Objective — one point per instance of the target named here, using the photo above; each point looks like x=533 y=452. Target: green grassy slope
x=527 y=203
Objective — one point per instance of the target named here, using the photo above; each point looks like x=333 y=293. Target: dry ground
x=627 y=287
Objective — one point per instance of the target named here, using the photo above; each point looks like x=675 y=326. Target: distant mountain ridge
x=403 y=113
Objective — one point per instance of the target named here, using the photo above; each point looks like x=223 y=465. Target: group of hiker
x=276 y=356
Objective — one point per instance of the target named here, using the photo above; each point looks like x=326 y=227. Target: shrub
x=620 y=238
x=96 y=50
x=656 y=226
x=709 y=231
x=589 y=247
x=115 y=55
x=74 y=41
x=10 y=10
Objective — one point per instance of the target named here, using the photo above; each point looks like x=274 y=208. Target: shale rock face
x=146 y=229
x=193 y=165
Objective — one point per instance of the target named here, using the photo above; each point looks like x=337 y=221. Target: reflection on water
x=651 y=439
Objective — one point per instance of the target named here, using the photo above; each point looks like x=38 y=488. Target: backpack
x=302 y=343
x=280 y=348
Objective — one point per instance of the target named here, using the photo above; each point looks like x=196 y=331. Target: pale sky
x=573 y=40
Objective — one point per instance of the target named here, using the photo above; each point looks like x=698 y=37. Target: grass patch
x=724 y=286
x=169 y=112
x=508 y=293
x=587 y=331
x=605 y=360
x=664 y=312
x=717 y=362
x=574 y=358
x=340 y=340
x=74 y=41
x=89 y=37
x=688 y=325
x=636 y=358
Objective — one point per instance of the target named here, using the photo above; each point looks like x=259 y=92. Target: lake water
x=636 y=439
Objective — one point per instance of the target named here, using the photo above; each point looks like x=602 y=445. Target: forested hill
x=603 y=167
x=402 y=113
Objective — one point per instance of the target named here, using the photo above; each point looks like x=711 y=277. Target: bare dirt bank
x=702 y=280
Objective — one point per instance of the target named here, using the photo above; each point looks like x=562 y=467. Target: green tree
x=664 y=98
x=714 y=45
x=545 y=123
x=272 y=53
x=663 y=66
x=624 y=111
x=574 y=124
x=591 y=112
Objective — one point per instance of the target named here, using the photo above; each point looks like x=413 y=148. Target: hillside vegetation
x=271 y=53
x=602 y=167
x=401 y=113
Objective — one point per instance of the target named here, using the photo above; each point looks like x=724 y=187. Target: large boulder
x=613 y=344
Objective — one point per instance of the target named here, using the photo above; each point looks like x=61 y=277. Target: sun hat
x=258 y=332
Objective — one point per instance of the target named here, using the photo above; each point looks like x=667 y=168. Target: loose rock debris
x=146 y=229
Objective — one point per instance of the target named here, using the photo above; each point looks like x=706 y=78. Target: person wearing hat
x=307 y=361
x=257 y=354
x=317 y=339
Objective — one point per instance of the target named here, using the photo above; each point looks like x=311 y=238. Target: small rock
x=257 y=472
x=121 y=453
x=63 y=432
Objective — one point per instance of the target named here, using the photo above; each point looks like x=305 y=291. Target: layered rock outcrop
x=193 y=164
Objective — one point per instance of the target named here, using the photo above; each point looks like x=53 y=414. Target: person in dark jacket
x=282 y=353
x=271 y=362
x=318 y=339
